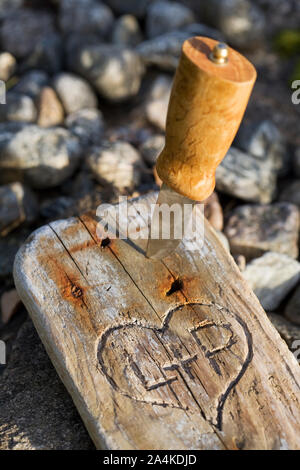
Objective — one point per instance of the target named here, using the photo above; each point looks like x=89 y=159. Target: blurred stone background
x=88 y=84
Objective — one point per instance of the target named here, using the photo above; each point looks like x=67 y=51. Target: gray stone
x=74 y=42
x=7 y=66
x=23 y=29
x=116 y=163
x=42 y=158
x=158 y=101
x=151 y=148
x=296 y=162
x=115 y=72
x=18 y=107
x=292 y=309
x=85 y=17
x=74 y=92
x=163 y=51
x=241 y=21
x=80 y=185
x=46 y=55
x=213 y=211
x=58 y=208
x=36 y=412
x=285 y=14
x=223 y=239
x=8 y=250
x=254 y=230
x=32 y=83
x=87 y=125
x=9 y=6
x=272 y=277
x=200 y=29
x=240 y=262
x=264 y=140
x=164 y=16
x=247 y=177
x=127 y=31
x=17 y=205
x=50 y=109
x=135 y=7
x=288 y=332
x=291 y=192
x=132 y=132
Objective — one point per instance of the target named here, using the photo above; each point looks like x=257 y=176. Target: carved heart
x=192 y=361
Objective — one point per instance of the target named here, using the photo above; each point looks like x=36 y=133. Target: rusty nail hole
x=76 y=292
x=175 y=287
x=105 y=242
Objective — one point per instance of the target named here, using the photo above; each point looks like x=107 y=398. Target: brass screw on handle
x=219 y=54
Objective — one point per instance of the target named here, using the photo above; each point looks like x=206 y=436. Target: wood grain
x=172 y=354
x=206 y=107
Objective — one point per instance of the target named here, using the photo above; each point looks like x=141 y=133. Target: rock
x=36 y=412
x=87 y=125
x=292 y=310
x=291 y=192
x=254 y=230
x=9 y=6
x=58 y=208
x=8 y=250
x=74 y=42
x=118 y=164
x=132 y=132
x=285 y=14
x=80 y=184
x=272 y=276
x=223 y=240
x=296 y=162
x=247 y=177
x=288 y=332
x=213 y=211
x=74 y=92
x=50 y=110
x=158 y=101
x=127 y=31
x=134 y=7
x=241 y=21
x=32 y=83
x=43 y=158
x=85 y=17
x=114 y=71
x=8 y=66
x=163 y=51
x=240 y=261
x=200 y=29
x=18 y=107
x=164 y=16
x=46 y=55
x=151 y=148
x=10 y=302
x=23 y=29
x=17 y=204
x=264 y=140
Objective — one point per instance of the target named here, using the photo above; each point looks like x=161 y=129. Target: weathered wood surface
x=155 y=365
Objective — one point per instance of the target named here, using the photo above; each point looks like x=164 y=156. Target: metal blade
x=169 y=220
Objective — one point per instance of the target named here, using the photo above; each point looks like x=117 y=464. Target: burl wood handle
x=206 y=107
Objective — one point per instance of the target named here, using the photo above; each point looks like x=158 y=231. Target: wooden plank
x=172 y=354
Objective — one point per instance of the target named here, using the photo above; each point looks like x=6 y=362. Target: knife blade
x=170 y=221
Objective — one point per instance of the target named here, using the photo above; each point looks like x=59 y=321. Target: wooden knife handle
x=207 y=103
